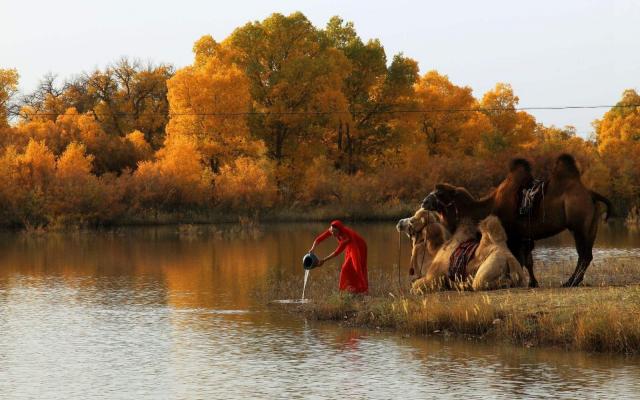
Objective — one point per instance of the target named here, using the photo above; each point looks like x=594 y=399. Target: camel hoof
x=571 y=283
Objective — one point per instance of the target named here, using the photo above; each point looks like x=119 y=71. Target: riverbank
x=391 y=211
x=603 y=316
x=589 y=319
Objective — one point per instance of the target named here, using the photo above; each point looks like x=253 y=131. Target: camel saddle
x=460 y=259
x=530 y=196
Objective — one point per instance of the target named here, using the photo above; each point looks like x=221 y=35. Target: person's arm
x=341 y=246
x=323 y=236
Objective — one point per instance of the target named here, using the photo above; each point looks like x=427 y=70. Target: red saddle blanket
x=460 y=259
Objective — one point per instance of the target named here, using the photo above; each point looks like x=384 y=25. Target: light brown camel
x=566 y=204
x=427 y=235
x=492 y=266
x=499 y=268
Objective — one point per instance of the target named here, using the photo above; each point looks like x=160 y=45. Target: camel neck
x=481 y=208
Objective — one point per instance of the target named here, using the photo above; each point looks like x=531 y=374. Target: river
x=155 y=313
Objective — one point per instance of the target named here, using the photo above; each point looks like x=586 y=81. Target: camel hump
x=517 y=163
x=566 y=167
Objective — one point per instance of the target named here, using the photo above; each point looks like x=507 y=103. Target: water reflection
x=150 y=313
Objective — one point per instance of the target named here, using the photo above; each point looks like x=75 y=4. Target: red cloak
x=353 y=275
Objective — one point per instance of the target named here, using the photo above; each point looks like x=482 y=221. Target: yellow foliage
x=142 y=148
x=111 y=153
x=246 y=184
x=204 y=48
x=8 y=88
x=37 y=164
x=74 y=163
x=177 y=177
x=448 y=132
x=621 y=122
x=196 y=95
x=511 y=128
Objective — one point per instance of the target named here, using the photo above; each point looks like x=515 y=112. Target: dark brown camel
x=566 y=204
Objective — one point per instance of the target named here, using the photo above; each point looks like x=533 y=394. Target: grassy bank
x=602 y=316
x=390 y=211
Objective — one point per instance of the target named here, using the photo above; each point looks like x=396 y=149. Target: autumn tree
x=620 y=122
x=177 y=178
x=449 y=124
x=77 y=193
x=124 y=97
x=208 y=102
x=46 y=101
x=8 y=89
x=246 y=184
x=111 y=153
x=295 y=76
x=618 y=137
x=373 y=91
x=510 y=128
x=25 y=182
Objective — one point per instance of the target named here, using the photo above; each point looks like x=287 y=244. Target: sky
x=553 y=53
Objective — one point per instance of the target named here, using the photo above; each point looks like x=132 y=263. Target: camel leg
x=584 y=246
x=488 y=277
x=528 y=263
x=521 y=249
x=426 y=284
x=420 y=285
x=526 y=259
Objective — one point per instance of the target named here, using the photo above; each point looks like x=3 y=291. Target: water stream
x=304 y=285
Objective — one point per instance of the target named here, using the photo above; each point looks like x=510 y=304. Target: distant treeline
x=280 y=115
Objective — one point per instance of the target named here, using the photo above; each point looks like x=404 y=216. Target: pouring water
x=304 y=286
x=309 y=262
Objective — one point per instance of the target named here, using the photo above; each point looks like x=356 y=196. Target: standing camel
x=566 y=204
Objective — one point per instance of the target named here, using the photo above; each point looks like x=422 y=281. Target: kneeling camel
x=491 y=267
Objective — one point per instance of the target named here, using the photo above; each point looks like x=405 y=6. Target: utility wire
x=338 y=112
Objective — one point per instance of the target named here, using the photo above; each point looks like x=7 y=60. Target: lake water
x=155 y=313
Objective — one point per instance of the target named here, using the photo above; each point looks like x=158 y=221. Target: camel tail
x=598 y=197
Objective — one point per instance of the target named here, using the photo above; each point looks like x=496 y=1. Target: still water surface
x=151 y=313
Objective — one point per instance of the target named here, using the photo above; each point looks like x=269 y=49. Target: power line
x=340 y=112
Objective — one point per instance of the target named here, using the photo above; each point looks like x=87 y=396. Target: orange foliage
x=246 y=184
x=196 y=95
x=445 y=132
x=8 y=88
x=176 y=178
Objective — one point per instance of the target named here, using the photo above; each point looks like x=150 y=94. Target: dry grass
x=603 y=315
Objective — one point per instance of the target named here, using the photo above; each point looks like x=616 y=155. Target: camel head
x=414 y=225
x=492 y=227
x=427 y=234
x=442 y=197
x=520 y=170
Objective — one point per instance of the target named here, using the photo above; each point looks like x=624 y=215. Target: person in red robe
x=353 y=275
